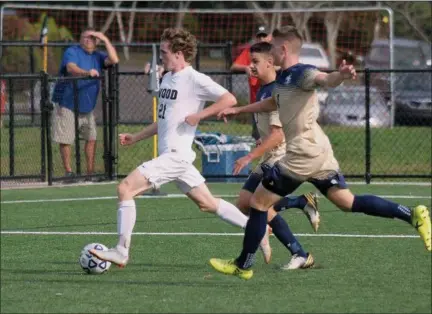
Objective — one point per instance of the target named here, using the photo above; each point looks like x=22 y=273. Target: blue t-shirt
x=265 y=91
x=87 y=89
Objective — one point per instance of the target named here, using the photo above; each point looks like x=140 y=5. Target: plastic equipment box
x=219 y=159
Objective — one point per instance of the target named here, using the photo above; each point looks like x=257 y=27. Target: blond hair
x=181 y=40
x=291 y=34
x=288 y=32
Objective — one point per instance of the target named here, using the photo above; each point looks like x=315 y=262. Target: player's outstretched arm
x=336 y=78
x=130 y=139
x=265 y=105
x=275 y=137
x=227 y=100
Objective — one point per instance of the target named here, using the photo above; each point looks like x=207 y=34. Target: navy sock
x=376 y=206
x=254 y=232
x=282 y=231
x=291 y=202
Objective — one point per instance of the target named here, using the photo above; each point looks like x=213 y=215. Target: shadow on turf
x=113 y=223
x=203 y=269
x=145 y=267
x=201 y=283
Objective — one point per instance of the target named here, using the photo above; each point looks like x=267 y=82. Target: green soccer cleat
x=228 y=267
x=421 y=220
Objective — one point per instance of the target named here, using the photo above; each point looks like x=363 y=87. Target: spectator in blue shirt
x=82 y=60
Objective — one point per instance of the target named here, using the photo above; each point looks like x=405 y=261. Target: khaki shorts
x=305 y=168
x=63 y=126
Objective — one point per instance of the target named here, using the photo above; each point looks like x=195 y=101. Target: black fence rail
x=29 y=142
x=380 y=125
x=27 y=55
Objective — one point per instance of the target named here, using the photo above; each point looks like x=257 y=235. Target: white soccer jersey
x=182 y=94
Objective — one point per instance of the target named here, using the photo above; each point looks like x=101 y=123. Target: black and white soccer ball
x=90 y=263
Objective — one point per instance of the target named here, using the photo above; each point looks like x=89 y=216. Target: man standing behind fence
x=242 y=64
x=80 y=60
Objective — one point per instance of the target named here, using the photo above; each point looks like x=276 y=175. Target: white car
x=314 y=54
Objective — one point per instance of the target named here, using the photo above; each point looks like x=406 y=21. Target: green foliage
x=190 y=22
x=411 y=19
x=17 y=59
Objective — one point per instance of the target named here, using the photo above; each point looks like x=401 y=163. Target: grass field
x=169 y=272
x=402 y=150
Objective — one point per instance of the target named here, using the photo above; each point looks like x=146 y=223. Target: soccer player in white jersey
x=183 y=93
x=309 y=155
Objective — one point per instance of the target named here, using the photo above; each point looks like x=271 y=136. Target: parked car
x=312 y=53
x=345 y=105
x=407 y=53
x=413 y=99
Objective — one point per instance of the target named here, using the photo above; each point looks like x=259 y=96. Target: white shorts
x=171 y=167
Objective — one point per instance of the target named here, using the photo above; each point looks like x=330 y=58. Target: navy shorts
x=276 y=182
x=334 y=179
x=252 y=182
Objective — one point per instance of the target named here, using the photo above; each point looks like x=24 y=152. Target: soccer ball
x=90 y=263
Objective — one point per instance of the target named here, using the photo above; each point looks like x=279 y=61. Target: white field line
x=42 y=185
x=171 y=196
x=330 y=235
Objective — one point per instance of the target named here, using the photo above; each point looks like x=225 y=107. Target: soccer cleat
x=299 y=262
x=265 y=246
x=228 y=267
x=421 y=220
x=112 y=255
x=311 y=210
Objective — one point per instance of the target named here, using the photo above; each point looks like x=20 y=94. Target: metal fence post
x=47 y=107
x=42 y=128
x=228 y=61
x=32 y=84
x=11 y=128
x=197 y=58
x=117 y=94
x=105 y=102
x=368 y=175
x=114 y=151
x=110 y=121
x=76 y=116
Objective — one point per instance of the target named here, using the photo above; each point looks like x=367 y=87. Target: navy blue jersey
x=264 y=120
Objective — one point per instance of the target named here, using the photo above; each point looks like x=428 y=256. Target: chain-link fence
x=22 y=132
x=35 y=129
x=378 y=129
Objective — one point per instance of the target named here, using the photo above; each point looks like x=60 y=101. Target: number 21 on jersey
x=161 y=111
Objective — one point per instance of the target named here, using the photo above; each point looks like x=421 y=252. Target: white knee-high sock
x=231 y=214
x=126 y=217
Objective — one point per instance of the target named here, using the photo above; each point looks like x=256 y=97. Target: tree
x=90 y=14
x=332 y=23
x=181 y=14
x=301 y=19
x=412 y=16
x=116 y=13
